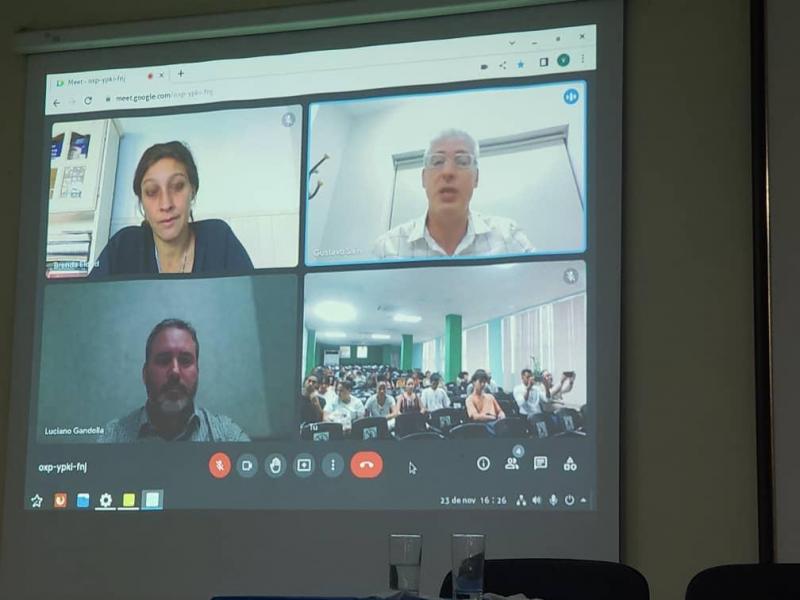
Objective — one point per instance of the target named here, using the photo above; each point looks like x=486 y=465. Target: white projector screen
x=398 y=246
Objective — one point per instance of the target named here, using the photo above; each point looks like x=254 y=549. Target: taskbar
x=471 y=474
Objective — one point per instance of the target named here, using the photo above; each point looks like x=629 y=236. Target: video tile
x=204 y=360
x=463 y=174
x=445 y=352
x=208 y=192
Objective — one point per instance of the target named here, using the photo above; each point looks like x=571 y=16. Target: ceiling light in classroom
x=401 y=318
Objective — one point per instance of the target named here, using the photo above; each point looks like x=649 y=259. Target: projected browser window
x=313 y=279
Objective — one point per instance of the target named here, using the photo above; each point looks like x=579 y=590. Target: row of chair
x=570 y=579
x=566 y=579
x=449 y=423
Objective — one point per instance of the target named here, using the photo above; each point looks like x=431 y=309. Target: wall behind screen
x=688 y=457
x=783 y=130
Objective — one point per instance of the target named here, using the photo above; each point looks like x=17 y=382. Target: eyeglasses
x=461 y=160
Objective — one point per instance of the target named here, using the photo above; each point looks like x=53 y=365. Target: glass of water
x=405 y=558
x=467 y=552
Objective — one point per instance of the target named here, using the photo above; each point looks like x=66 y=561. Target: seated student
x=528 y=395
x=490 y=387
x=482 y=406
x=169 y=240
x=408 y=401
x=449 y=227
x=435 y=396
x=553 y=396
x=385 y=377
x=380 y=404
x=463 y=382
x=312 y=405
x=326 y=391
x=346 y=409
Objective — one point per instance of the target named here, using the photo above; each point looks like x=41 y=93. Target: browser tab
x=373 y=67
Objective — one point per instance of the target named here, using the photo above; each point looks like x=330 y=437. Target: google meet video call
x=314 y=300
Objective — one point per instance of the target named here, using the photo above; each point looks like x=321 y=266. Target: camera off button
x=247 y=465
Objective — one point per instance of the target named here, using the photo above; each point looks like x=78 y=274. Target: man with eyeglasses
x=449 y=227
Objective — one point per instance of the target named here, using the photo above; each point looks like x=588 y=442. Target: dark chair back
x=444 y=419
x=322 y=432
x=545 y=425
x=559 y=579
x=370 y=428
x=509 y=406
x=766 y=581
x=422 y=435
x=409 y=423
x=469 y=430
x=458 y=400
x=511 y=427
x=571 y=418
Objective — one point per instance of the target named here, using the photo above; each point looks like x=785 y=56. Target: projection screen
x=397 y=244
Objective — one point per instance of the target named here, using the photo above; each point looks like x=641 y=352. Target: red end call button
x=366 y=465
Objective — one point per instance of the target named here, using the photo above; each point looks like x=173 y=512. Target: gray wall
x=784 y=127
x=688 y=417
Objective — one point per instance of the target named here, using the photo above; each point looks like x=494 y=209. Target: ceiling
x=477 y=293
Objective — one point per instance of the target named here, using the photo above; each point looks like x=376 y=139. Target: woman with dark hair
x=169 y=240
x=482 y=406
x=408 y=401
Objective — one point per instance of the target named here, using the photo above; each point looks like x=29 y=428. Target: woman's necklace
x=185 y=256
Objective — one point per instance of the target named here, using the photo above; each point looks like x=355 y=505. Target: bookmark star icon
x=36 y=501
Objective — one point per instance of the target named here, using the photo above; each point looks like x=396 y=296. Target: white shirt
x=485 y=236
x=374 y=409
x=433 y=399
x=531 y=406
x=345 y=413
x=330 y=397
